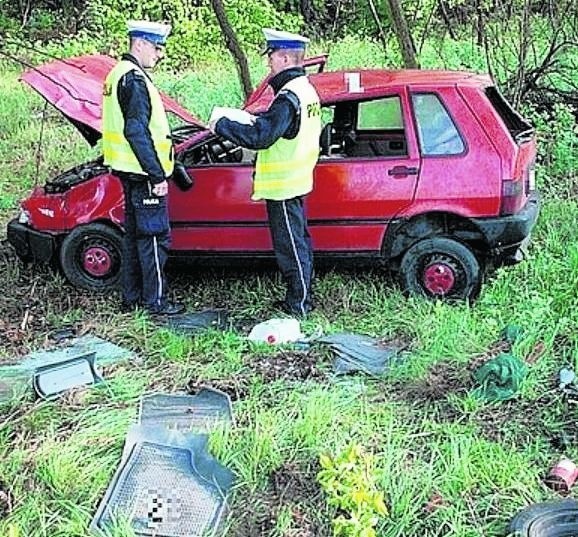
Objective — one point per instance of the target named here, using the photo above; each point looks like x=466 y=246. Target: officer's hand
x=161 y=189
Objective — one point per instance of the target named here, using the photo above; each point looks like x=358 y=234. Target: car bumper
x=30 y=245
x=508 y=236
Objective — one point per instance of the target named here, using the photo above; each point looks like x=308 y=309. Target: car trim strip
x=264 y=223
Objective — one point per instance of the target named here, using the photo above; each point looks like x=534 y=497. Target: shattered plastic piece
x=52 y=380
x=549 y=519
x=166 y=490
x=567 y=377
x=186 y=412
x=276 y=331
x=562 y=476
x=193 y=323
x=357 y=352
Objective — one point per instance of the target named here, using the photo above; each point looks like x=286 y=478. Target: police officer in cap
x=137 y=146
x=287 y=139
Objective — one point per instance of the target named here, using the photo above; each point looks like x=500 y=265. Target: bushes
x=196 y=37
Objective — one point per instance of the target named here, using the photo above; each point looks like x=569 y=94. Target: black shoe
x=129 y=307
x=168 y=309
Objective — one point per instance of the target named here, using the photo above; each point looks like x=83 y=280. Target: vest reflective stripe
x=117 y=151
x=285 y=170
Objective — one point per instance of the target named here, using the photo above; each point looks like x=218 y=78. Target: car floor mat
x=548 y=519
x=202 y=411
x=18 y=374
x=356 y=352
x=166 y=491
x=193 y=323
x=55 y=379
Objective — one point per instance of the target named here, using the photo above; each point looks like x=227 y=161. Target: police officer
x=287 y=139
x=137 y=146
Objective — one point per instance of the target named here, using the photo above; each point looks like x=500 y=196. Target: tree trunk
x=382 y=35
x=233 y=45
x=403 y=35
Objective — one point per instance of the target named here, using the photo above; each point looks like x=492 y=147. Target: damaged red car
x=427 y=173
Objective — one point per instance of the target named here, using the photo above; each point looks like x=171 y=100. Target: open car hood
x=74 y=86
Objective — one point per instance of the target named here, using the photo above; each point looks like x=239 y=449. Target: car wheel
x=91 y=256
x=440 y=268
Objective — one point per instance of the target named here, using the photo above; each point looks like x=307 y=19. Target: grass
x=431 y=438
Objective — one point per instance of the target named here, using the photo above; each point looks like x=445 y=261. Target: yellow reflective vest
x=285 y=170
x=117 y=151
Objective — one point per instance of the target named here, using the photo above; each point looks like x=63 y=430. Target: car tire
x=440 y=268
x=91 y=257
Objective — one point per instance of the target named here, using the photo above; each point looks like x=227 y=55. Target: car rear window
x=438 y=134
x=519 y=128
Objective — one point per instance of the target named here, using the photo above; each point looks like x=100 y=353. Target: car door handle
x=402 y=171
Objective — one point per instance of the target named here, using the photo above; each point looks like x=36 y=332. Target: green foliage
x=349 y=481
x=557 y=172
x=196 y=37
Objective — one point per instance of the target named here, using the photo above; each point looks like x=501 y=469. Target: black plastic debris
x=193 y=323
x=61 y=334
x=355 y=352
x=186 y=412
x=549 y=519
x=168 y=491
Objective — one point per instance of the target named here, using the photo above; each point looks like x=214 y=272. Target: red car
x=430 y=173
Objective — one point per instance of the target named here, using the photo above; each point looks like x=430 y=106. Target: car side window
x=438 y=134
x=366 y=129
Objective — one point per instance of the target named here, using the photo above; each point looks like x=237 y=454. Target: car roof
x=355 y=84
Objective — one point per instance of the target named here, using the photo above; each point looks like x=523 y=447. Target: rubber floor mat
x=53 y=380
x=202 y=411
x=549 y=519
x=355 y=352
x=166 y=491
x=193 y=323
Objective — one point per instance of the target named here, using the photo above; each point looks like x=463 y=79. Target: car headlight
x=23 y=217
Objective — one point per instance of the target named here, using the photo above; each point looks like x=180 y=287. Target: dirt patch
x=236 y=388
x=293 y=487
x=285 y=365
x=289 y=365
x=442 y=379
x=5 y=501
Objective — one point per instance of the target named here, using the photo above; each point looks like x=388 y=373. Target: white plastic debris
x=276 y=331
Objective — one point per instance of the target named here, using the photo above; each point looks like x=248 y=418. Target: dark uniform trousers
x=146 y=244
x=293 y=251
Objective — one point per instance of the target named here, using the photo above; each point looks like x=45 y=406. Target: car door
x=367 y=174
x=217 y=214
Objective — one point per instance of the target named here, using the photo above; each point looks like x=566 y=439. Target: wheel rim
x=440 y=276
x=97 y=261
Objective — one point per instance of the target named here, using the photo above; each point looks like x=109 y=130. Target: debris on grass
x=276 y=331
x=359 y=353
x=197 y=322
x=562 y=476
x=20 y=373
x=500 y=378
x=167 y=482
